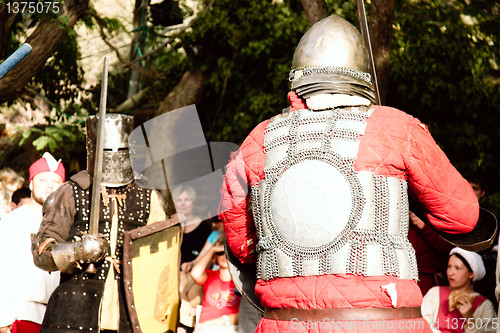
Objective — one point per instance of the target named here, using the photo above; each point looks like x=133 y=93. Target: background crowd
x=210 y=301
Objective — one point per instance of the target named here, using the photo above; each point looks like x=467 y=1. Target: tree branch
x=315 y=10
x=44 y=40
x=6 y=21
x=125 y=63
x=170 y=36
x=381 y=20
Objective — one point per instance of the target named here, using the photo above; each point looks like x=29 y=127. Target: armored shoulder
x=58 y=214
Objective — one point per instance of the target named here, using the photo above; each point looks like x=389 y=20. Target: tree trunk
x=315 y=10
x=45 y=40
x=140 y=8
x=380 y=24
x=188 y=91
x=6 y=21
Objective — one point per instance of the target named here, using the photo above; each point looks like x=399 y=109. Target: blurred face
x=44 y=184
x=23 y=201
x=184 y=204
x=458 y=274
x=478 y=191
x=221 y=259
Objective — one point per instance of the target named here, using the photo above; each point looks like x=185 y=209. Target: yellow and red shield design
x=151 y=276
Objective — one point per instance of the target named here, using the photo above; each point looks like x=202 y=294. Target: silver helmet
x=116 y=164
x=332 y=58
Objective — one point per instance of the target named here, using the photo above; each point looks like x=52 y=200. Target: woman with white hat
x=457 y=307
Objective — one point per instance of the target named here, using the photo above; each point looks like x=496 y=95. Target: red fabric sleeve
x=243 y=171
x=396 y=144
x=447 y=197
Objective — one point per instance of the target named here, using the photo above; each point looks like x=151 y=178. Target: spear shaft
x=363 y=23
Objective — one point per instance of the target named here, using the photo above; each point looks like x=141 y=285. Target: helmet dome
x=332 y=57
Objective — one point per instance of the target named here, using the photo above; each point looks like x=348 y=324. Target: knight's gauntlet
x=41 y=253
x=84 y=249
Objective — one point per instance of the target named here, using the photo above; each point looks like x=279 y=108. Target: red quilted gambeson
x=394 y=144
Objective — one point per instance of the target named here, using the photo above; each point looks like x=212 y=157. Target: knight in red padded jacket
x=317 y=197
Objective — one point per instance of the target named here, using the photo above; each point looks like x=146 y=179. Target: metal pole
x=14 y=58
x=366 y=36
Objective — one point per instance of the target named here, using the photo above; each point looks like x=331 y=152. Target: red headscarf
x=47 y=163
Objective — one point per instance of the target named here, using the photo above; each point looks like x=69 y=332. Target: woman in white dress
x=457 y=307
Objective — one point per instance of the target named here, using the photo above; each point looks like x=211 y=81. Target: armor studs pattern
x=133 y=212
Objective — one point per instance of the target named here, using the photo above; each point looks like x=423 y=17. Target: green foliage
x=246 y=48
x=443 y=72
x=346 y=9
x=61 y=77
x=63 y=136
x=50 y=138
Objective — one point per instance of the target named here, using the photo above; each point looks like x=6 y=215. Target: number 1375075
x=470 y=323
x=32 y=7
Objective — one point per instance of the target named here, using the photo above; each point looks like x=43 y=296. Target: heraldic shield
x=151 y=276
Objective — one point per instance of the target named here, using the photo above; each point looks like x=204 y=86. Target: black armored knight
x=94 y=301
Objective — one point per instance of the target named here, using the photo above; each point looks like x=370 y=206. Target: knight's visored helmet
x=116 y=164
x=332 y=58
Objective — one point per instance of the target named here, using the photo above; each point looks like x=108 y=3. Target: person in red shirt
x=220 y=303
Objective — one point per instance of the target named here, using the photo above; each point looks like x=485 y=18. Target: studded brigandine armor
x=83 y=291
x=315 y=214
x=133 y=212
